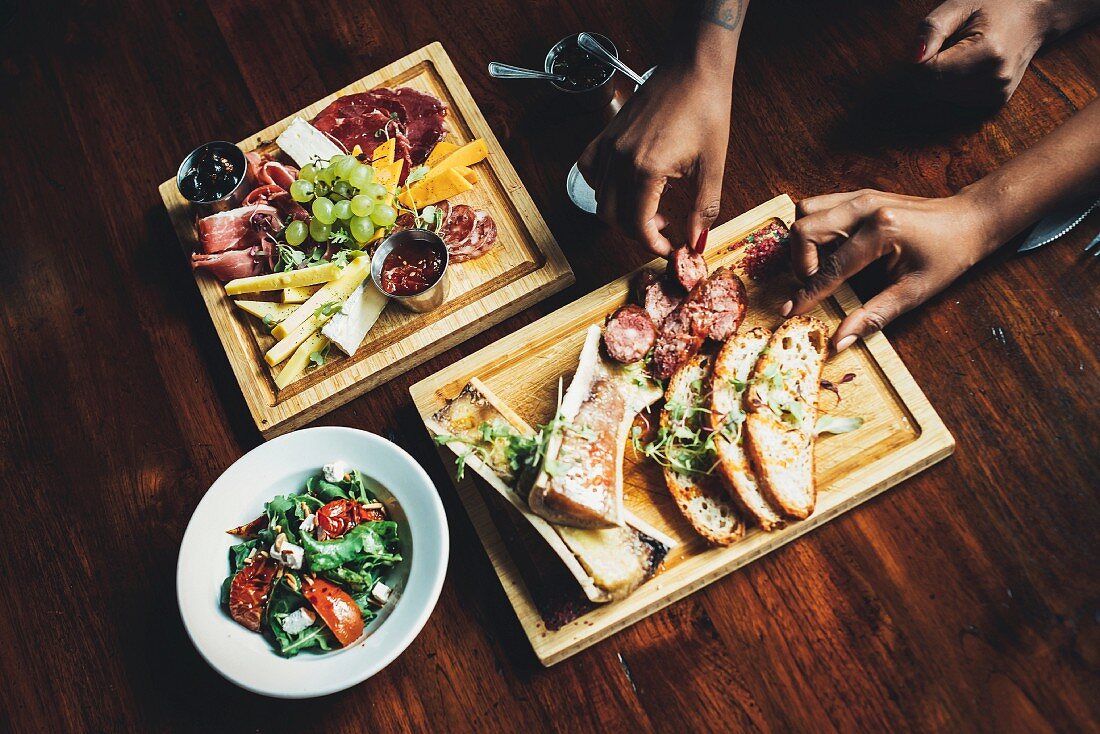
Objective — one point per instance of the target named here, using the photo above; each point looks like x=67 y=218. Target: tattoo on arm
x=726 y=14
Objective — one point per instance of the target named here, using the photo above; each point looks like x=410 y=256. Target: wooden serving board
x=901 y=436
x=525 y=266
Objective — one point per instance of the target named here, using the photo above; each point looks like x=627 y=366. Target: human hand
x=926 y=243
x=978 y=50
x=675 y=127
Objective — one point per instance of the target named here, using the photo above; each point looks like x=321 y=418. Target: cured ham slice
x=233 y=264
x=414 y=119
x=237 y=229
x=279 y=198
x=266 y=172
x=580 y=482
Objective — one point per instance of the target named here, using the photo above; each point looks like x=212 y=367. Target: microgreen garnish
x=327 y=309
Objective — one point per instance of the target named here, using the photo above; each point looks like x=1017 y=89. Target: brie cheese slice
x=349 y=326
x=305 y=143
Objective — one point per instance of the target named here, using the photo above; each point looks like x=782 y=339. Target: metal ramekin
x=240 y=190
x=425 y=300
x=598 y=96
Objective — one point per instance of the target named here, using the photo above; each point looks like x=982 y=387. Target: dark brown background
x=966 y=598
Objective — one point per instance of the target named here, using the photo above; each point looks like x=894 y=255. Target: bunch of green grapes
x=345 y=198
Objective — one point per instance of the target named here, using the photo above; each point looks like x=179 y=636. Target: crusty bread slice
x=702 y=497
x=782 y=410
x=728 y=384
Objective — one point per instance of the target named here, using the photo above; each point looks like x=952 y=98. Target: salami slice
x=687 y=267
x=714 y=308
x=629 y=334
x=475 y=241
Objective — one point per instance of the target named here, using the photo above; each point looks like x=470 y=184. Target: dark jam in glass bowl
x=581 y=69
x=210 y=176
x=412 y=267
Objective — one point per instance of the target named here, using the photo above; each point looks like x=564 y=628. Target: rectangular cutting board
x=525 y=266
x=901 y=436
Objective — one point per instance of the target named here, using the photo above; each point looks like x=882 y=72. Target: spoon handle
x=594 y=47
x=507 y=71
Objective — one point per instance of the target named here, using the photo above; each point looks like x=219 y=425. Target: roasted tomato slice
x=249 y=591
x=339 y=516
x=338 y=610
x=252 y=529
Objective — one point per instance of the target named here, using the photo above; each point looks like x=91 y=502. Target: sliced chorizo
x=629 y=334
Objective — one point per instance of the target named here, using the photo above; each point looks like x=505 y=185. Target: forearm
x=1065 y=15
x=709 y=32
x=1063 y=166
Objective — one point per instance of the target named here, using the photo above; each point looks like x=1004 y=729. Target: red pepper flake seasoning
x=765 y=250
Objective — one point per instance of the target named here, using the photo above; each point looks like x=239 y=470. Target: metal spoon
x=507 y=71
x=588 y=43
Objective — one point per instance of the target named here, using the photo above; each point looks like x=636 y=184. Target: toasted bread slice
x=702 y=497
x=729 y=381
x=782 y=410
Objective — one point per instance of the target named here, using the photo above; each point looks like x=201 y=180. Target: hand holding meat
x=675 y=128
x=927 y=243
x=978 y=50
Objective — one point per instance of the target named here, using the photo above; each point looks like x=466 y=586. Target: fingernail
x=701 y=243
x=845 y=342
x=920 y=54
x=786 y=308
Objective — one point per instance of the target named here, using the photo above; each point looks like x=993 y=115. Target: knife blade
x=1058 y=223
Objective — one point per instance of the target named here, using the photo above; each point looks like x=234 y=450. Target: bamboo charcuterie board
x=525 y=266
x=901 y=436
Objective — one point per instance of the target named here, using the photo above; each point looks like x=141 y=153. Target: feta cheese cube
x=337 y=471
x=380 y=593
x=298 y=621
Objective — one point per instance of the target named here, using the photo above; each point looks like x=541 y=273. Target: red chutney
x=411 y=267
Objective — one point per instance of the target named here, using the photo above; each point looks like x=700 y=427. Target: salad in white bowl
x=335 y=561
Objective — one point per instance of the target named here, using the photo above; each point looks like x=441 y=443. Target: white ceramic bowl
x=281 y=466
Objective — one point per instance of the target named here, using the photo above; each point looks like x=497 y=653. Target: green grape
x=308 y=172
x=362 y=206
x=342 y=188
x=361 y=175
x=323 y=210
x=342 y=209
x=384 y=215
x=362 y=228
x=301 y=191
x=336 y=160
x=326 y=176
x=378 y=192
x=296 y=233
x=346 y=166
x=319 y=231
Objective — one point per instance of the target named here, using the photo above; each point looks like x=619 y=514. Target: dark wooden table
x=966 y=598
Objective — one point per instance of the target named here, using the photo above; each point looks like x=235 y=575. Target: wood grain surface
x=901 y=436
x=966 y=599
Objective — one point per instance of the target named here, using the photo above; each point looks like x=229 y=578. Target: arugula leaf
x=327 y=309
x=326 y=490
x=285 y=601
x=368 y=541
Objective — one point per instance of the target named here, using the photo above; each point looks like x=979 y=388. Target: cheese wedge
x=278 y=281
x=382 y=157
x=338 y=290
x=274 y=312
x=467 y=173
x=389 y=175
x=295 y=367
x=305 y=143
x=310 y=316
x=430 y=191
x=299 y=295
x=441 y=150
x=350 y=325
x=467 y=155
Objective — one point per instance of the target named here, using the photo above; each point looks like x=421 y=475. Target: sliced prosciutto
x=266 y=172
x=279 y=198
x=237 y=229
x=231 y=264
